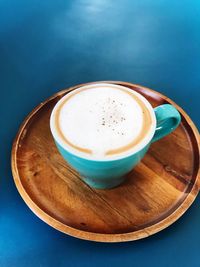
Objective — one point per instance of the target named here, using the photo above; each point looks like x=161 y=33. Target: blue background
x=49 y=45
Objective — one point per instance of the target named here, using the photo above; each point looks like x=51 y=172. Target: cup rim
x=146 y=140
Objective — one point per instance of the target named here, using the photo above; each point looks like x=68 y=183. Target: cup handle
x=168 y=119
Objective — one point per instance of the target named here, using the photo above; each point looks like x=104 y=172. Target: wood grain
x=156 y=193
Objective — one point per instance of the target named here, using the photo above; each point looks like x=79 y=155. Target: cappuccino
x=102 y=121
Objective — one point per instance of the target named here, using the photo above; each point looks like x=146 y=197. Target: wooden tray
x=157 y=192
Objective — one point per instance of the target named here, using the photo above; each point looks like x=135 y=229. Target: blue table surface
x=49 y=45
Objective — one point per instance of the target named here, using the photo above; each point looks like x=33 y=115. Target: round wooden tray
x=156 y=193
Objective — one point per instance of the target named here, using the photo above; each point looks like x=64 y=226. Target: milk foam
x=100 y=119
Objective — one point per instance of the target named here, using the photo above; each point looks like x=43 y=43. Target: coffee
x=102 y=121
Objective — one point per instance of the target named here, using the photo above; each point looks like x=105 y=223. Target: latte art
x=102 y=120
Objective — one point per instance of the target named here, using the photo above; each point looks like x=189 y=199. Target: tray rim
x=99 y=237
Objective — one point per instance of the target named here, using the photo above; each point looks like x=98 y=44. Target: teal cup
x=105 y=174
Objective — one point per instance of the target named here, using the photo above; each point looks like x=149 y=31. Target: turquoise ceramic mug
x=104 y=174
